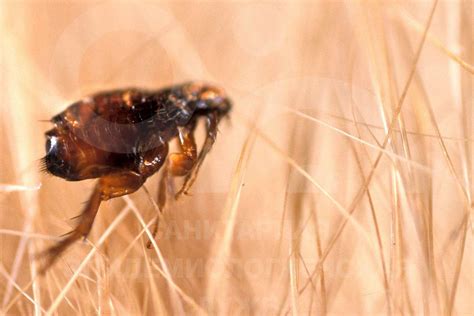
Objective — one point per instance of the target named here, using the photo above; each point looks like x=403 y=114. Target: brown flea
x=121 y=137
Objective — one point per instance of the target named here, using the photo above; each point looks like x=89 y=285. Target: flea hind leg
x=110 y=186
x=165 y=185
x=212 y=120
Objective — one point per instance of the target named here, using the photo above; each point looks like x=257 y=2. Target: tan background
x=316 y=87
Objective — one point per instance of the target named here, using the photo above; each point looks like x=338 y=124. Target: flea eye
x=201 y=104
x=51 y=144
x=217 y=100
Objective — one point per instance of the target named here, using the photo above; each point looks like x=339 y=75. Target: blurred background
x=342 y=184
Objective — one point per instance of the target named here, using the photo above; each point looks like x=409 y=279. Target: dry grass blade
x=343 y=211
x=57 y=301
x=419 y=28
x=382 y=150
x=164 y=268
x=223 y=245
x=16 y=187
x=19 y=289
x=27 y=235
x=396 y=112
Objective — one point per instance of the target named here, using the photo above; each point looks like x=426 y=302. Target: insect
x=121 y=137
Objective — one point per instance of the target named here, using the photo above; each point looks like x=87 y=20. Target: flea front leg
x=108 y=187
x=212 y=120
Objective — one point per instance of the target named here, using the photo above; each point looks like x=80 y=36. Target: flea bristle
x=43 y=168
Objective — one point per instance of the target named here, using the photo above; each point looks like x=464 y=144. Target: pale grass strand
x=177 y=305
x=388 y=295
x=165 y=271
x=231 y=207
x=417 y=165
x=395 y=115
x=368 y=126
x=293 y=282
x=20 y=233
x=20 y=290
x=305 y=174
x=155 y=291
x=414 y=24
x=17 y=297
x=5 y=187
x=20 y=145
x=117 y=261
x=117 y=220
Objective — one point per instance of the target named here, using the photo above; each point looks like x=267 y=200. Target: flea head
x=54 y=161
x=58 y=155
x=209 y=97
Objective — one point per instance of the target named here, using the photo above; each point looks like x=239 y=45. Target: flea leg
x=179 y=164
x=151 y=160
x=163 y=187
x=211 y=128
x=108 y=187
